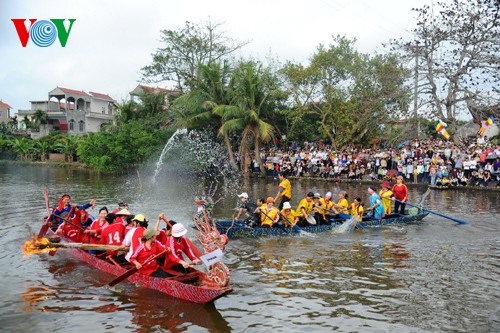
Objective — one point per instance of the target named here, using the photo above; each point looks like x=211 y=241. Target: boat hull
x=169 y=286
x=239 y=230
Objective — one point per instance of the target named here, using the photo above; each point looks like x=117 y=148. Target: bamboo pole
x=83 y=246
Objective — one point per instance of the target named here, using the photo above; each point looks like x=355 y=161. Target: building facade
x=72 y=111
x=4 y=112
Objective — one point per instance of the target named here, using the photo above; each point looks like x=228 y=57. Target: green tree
x=40 y=118
x=193 y=110
x=67 y=145
x=185 y=49
x=250 y=103
x=347 y=94
x=22 y=147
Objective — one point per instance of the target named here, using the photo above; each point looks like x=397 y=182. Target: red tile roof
x=101 y=96
x=72 y=91
x=5 y=105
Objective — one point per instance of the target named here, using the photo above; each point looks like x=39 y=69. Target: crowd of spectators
x=473 y=162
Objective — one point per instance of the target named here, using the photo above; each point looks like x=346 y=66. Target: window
x=71 y=125
x=103 y=110
x=1 y=114
x=81 y=126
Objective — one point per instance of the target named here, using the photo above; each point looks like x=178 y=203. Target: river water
x=434 y=276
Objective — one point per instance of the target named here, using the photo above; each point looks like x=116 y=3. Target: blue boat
x=238 y=229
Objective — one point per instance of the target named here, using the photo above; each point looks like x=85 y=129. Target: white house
x=72 y=111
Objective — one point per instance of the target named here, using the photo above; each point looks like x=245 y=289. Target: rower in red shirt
x=178 y=245
x=95 y=229
x=149 y=248
x=74 y=231
x=134 y=236
x=113 y=233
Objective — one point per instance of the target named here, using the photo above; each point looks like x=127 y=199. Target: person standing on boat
x=95 y=229
x=270 y=214
x=113 y=233
x=284 y=190
x=386 y=194
x=288 y=215
x=179 y=245
x=357 y=209
x=400 y=195
x=376 y=208
x=304 y=209
x=250 y=207
x=64 y=208
x=148 y=248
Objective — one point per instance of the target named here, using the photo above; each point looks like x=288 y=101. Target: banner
x=440 y=128
x=490 y=121
x=213 y=257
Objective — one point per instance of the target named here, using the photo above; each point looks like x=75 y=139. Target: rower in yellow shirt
x=304 y=208
x=269 y=214
x=288 y=215
x=386 y=194
x=357 y=209
x=342 y=205
x=326 y=204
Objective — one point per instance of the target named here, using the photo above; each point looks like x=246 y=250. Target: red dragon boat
x=195 y=286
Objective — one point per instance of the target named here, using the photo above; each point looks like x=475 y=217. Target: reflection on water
x=149 y=311
x=425 y=277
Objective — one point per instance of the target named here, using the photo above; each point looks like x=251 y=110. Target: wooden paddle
x=193 y=247
x=84 y=246
x=76 y=226
x=432 y=212
x=134 y=269
x=46 y=224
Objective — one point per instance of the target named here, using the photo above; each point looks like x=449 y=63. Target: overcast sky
x=111 y=40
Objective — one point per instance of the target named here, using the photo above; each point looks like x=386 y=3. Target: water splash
x=166 y=148
x=347 y=226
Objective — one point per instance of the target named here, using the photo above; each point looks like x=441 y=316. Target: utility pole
x=415 y=92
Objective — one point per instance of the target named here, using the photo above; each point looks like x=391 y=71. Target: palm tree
x=247 y=110
x=195 y=109
x=67 y=146
x=22 y=146
x=40 y=118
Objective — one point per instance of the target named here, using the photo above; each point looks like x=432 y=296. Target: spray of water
x=195 y=154
x=347 y=226
x=166 y=148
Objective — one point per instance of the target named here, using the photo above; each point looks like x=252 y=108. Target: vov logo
x=43 y=33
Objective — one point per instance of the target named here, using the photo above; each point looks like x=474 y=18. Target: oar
x=193 y=247
x=83 y=246
x=435 y=213
x=295 y=227
x=46 y=224
x=134 y=269
x=76 y=226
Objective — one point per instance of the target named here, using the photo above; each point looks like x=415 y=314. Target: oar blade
x=123 y=276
